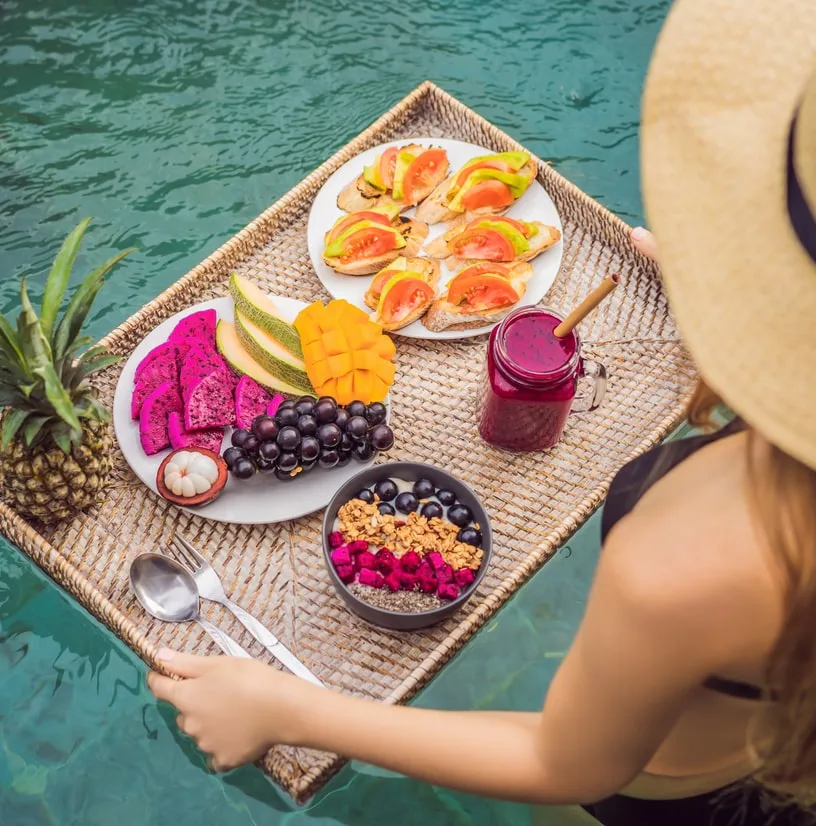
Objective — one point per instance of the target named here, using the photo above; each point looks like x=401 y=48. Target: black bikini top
x=634 y=479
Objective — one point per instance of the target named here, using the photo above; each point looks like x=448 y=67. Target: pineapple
x=55 y=441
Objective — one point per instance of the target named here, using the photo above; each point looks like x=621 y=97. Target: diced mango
x=328 y=389
x=379 y=390
x=363 y=336
x=384 y=347
x=319 y=373
x=340 y=365
x=362 y=386
x=335 y=342
x=345 y=389
x=385 y=371
x=364 y=359
x=349 y=313
x=307 y=329
x=313 y=352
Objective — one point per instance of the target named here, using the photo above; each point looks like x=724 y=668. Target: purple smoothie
x=530 y=382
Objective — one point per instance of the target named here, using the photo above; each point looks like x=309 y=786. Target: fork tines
x=185 y=553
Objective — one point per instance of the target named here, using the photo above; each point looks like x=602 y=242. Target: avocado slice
x=518 y=184
x=336 y=247
x=371 y=175
x=404 y=160
x=515 y=160
x=519 y=242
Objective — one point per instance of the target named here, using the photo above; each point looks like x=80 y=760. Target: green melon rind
x=294 y=376
x=258 y=312
x=233 y=352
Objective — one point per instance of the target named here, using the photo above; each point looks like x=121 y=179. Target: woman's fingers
x=187 y=665
x=645 y=242
x=163 y=688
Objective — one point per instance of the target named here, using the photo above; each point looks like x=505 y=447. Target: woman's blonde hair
x=783 y=491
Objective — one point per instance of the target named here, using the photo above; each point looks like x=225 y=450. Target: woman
x=694 y=666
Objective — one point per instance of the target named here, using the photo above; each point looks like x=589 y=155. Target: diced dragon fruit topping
x=370 y=578
x=407 y=580
x=464 y=578
x=428 y=584
x=358 y=546
x=425 y=570
x=335 y=539
x=436 y=559
x=386 y=561
x=365 y=560
x=346 y=573
x=392 y=581
x=341 y=556
x=409 y=562
x=448 y=591
x=444 y=574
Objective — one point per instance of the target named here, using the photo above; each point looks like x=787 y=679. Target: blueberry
x=460 y=515
x=432 y=510
x=365 y=495
x=470 y=536
x=424 y=489
x=406 y=502
x=446 y=497
x=386 y=490
x=385 y=509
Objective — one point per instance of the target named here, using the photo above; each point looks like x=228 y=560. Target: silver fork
x=210 y=587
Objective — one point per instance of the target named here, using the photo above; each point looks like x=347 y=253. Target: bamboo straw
x=587 y=306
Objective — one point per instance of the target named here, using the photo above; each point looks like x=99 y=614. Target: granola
x=400 y=534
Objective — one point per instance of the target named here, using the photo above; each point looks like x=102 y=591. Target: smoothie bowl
x=406 y=544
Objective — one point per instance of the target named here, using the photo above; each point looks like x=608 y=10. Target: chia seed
x=405 y=602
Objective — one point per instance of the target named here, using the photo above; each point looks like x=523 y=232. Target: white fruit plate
x=261 y=500
x=534 y=205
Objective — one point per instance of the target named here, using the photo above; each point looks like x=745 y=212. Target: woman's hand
x=235 y=709
x=645 y=242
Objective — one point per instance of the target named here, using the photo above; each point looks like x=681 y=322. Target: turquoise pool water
x=174 y=123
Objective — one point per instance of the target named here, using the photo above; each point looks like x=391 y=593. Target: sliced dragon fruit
x=154 y=415
x=272 y=407
x=161 y=368
x=200 y=326
x=210 y=403
x=181 y=438
x=164 y=352
x=251 y=400
x=196 y=363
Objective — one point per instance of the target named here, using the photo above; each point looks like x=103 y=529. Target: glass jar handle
x=596 y=373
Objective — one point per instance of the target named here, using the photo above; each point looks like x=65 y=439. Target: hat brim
x=721 y=92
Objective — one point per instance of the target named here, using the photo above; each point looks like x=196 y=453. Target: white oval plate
x=534 y=205
x=261 y=500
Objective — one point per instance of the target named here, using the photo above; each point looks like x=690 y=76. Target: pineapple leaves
x=34 y=344
x=62 y=436
x=12 y=423
x=33 y=428
x=80 y=305
x=59 y=276
x=58 y=396
x=9 y=343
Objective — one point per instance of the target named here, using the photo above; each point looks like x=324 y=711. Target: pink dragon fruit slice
x=181 y=438
x=272 y=407
x=161 y=368
x=251 y=401
x=165 y=351
x=196 y=362
x=448 y=591
x=154 y=417
x=210 y=403
x=200 y=326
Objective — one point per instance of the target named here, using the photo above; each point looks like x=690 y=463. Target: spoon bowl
x=164 y=588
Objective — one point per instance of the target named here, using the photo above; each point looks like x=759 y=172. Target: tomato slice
x=388 y=161
x=403 y=296
x=484 y=244
x=381 y=279
x=464 y=174
x=424 y=173
x=521 y=226
x=354 y=218
x=493 y=194
x=485 y=269
x=369 y=243
x=476 y=293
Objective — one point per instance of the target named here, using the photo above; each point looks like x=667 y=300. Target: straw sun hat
x=729 y=179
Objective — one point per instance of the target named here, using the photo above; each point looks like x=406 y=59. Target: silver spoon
x=168 y=592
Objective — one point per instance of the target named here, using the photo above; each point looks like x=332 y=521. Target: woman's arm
x=612 y=702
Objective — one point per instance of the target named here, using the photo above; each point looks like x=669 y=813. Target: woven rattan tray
x=536 y=501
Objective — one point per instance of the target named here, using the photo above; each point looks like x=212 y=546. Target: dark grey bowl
x=410 y=471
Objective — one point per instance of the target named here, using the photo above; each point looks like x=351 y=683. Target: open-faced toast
x=423 y=268
x=364 y=242
x=494 y=238
x=487 y=185
x=401 y=176
x=479 y=295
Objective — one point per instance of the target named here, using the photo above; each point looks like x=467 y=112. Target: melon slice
x=230 y=347
x=154 y=416
x=251 y=401
x=181 y=438
x=200 y=326
x=274 y=358
x=210 y=403
x=259 y=308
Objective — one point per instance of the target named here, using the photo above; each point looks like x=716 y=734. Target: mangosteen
x=191 y=477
